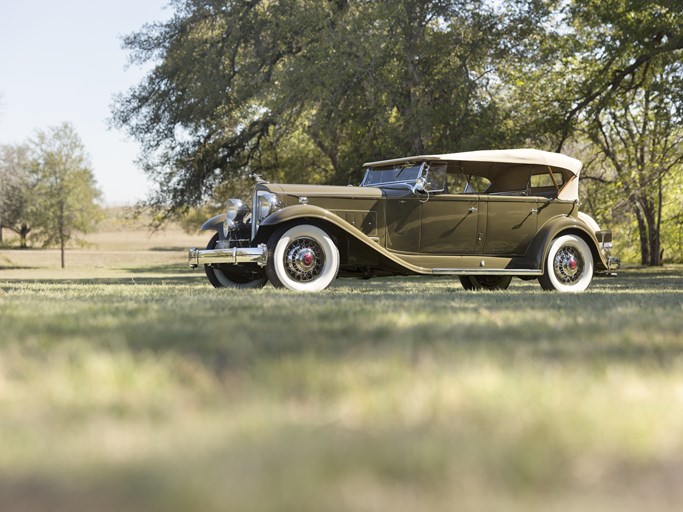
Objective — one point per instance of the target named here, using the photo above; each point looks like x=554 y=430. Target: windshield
x=397 y=174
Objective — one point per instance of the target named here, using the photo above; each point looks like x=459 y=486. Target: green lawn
x=145 y=389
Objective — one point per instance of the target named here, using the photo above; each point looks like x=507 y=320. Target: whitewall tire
x=568 y=265
x=302 y=258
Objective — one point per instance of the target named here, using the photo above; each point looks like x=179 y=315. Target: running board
x=487 y=271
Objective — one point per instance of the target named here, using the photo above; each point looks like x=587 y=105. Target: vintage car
x=484 y=216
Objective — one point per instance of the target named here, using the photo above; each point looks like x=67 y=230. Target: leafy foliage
x=15 y=190
x=64 y=195
x=628 y=94
x=310 y=90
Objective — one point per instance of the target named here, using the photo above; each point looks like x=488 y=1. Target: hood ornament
x=257 y=178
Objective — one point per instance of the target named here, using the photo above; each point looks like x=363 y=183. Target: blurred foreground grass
x=162 y=393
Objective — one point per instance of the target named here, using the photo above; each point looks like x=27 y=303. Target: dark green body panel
x=395 y=231
x=449 y=225
x=510 y=224
x=402 y=223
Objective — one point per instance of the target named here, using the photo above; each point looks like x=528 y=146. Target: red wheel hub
x=572 y=264
x=307 y=259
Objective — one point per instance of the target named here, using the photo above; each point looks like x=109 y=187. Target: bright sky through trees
x=62 y=61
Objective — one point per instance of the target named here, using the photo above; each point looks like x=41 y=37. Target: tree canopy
x=15 y=190
x=47 y=188
x=64 y=192
x=627 y=104
x=307 y=90
x=311 y=89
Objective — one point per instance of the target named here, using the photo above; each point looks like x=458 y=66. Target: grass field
x=127 y=383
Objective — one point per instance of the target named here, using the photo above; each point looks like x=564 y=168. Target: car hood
x=324 y=190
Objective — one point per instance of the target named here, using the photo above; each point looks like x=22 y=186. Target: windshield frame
x=404 y=166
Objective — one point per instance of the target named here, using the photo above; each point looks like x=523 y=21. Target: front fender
x=302 y=211
x=215 y=224
x=538 y=250
x=321 y=215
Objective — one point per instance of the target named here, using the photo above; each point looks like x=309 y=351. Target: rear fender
x=557 y=226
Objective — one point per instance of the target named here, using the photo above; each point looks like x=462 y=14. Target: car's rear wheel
x=302 y=258
x=568 y=265
x=234 y=276
x=485 y=282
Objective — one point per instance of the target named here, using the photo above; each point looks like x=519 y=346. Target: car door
x=449 y=224
x=403 y=220
x=511 y=223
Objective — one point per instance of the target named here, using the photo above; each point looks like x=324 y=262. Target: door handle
x=472 y=209
x=534 y=210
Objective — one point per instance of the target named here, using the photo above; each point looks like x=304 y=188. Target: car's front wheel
x=302 y=258
x=233 y=276
x=568 y=265
x=485 y=282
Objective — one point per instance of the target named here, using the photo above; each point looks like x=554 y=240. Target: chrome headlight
x=235 y=211
x=265 y=203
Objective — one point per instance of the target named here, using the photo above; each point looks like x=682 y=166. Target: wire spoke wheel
x=568 y=265
x=302 y=258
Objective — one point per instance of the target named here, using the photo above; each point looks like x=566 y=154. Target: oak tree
x=309 y=90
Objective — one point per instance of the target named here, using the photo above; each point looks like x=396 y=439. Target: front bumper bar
x=232 y=255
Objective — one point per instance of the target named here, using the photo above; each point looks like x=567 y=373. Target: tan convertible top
x=489 y=163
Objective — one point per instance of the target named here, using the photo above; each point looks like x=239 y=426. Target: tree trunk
x=23 y=233
x=62 y=236
x=1 y=227
x=642 y=232
x=414 y=83
x=653 y=240
x=660 y=201
x=330 y=150
x=411 y=31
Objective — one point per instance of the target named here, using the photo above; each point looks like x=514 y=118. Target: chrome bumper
x=233 y=255
x=613 y=263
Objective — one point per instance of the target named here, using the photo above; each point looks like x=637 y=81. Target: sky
x=62 y=61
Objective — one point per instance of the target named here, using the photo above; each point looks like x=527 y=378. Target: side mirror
x=419 y=185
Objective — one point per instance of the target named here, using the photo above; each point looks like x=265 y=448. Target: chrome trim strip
x=488 y=271
x=234 y=255
x=254 y=212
